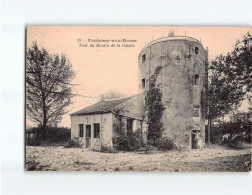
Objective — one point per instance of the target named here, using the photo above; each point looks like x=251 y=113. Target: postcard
x=138 y=98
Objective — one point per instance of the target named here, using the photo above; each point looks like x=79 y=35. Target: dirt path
x=211 y=159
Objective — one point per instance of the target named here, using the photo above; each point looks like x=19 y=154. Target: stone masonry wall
x=180 y=96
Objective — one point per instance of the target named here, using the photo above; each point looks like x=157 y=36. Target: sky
x=101 y=69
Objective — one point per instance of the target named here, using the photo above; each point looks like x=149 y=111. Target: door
x=195 y=139
x=88 y=136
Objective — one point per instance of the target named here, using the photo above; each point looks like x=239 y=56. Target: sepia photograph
x=138 y=98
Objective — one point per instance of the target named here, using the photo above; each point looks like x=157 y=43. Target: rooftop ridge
x=104 y=106
x=129 y=96
x=169 y=38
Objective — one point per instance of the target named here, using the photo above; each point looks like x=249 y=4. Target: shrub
x=165 y=143
x=58 y=134
x=53 y=134
x=32 y=137
x=73 y=144
x=107 y=149
x=235 y=133
x=233 y=142
x=133 y=141
x=148 y=146
x=136 y=139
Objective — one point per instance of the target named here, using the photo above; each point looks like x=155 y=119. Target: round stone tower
x=182 y=80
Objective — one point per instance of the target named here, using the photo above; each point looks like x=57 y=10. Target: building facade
x=182 y=62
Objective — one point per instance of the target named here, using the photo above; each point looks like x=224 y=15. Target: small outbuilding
x=94 y=126
x=177 y=65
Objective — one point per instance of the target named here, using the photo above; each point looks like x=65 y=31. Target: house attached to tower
x=183 y=82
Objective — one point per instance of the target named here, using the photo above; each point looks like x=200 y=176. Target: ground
x=212 y=159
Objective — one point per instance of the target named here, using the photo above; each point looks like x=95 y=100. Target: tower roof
x=163 y=39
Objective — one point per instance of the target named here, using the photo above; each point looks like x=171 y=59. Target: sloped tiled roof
x=103 y=106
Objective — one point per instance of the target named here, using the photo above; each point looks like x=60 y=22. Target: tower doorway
x=196 y=141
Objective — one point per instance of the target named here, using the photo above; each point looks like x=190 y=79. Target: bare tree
x=48 y=88
x=111 y=94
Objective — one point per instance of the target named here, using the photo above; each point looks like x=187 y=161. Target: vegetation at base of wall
x=34 y=137
x=72 y=144
x=231 y=134
x=165 y=144
x=148 y=146
x=154 y=107
x=108 y=149
x=130 y=141
x=125 y=140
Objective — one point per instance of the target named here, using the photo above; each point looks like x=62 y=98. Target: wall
x=136 y=124
x=105 y=121
x=133 y=108
x=179 y=96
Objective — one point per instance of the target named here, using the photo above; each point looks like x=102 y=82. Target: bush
x=233 y=142
x=133 y=141
x=32 y=137
x=58 y=134
x=235 y=133
x=164 y=144
x=53 y=134
x=73 y=144
x=148 y=146
x=107 y=149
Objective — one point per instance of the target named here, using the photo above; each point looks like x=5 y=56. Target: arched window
x=196 y=80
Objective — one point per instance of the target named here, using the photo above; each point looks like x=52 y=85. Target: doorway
x=88 y=136
x=195 y=136
x=194 y=139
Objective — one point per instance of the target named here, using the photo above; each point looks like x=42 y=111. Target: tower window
x=196 y=80
x=196 y=50
x=143 y=58
x=143 y=83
